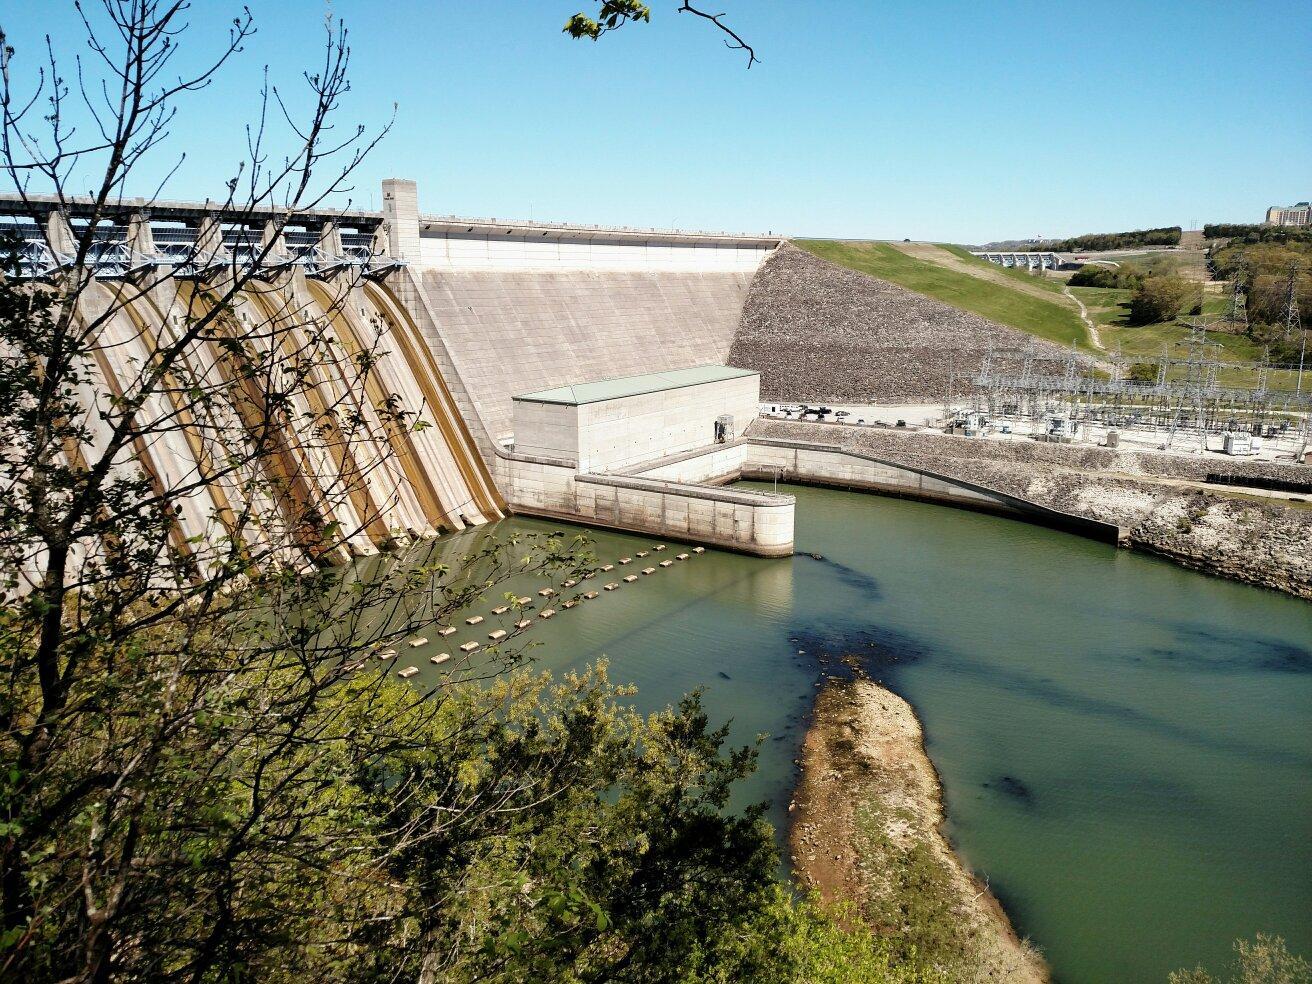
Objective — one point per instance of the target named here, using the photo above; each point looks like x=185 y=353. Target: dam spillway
x=455 y=316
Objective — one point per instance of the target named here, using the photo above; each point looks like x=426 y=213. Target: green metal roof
x=651 y=382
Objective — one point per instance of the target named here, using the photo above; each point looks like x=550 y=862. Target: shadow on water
x=1054 y=695
x=1225 y=651
x=1013 y=789
x=851 y=577
x=843 y=650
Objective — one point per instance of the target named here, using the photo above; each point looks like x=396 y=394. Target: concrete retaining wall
x=514 y=331
x=749 y=522
x=829 y=465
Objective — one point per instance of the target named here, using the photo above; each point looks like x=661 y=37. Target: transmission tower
x=1236 y=312
x=1293 y=323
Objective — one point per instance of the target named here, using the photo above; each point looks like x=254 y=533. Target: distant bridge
x=1030 y=261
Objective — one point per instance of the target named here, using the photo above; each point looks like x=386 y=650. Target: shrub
x=1095 y=275
x=1159 y=299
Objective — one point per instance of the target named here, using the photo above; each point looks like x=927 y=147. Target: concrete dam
x=464 y=314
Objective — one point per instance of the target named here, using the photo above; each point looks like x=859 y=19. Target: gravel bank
x=868 y=810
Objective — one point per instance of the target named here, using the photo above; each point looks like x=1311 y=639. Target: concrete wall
x=514 y=332
x=750 y=522
x=831 y=466
x=518 y=307
x=487 y=249
x=611 y=435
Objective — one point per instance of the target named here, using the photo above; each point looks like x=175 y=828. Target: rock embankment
x=868 y=812
x=819 y=331
x=1259 y=541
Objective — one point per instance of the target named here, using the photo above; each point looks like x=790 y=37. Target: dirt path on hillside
x=868 y=813
x=1094 y=337
x=950 y=261
x=941 y=257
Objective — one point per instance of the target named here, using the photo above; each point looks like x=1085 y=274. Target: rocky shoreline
x=1157 y=497
x=867 y=814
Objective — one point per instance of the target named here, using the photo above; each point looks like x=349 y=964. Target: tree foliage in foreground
x=1263 y=960
x=208 y=770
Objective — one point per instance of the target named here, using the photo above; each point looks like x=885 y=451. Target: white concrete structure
x=576 y=448
x=615 y=424
x=513 y=307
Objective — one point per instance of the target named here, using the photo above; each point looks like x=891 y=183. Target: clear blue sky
x=958 y=121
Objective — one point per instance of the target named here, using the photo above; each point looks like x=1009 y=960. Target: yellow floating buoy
x=501 y=609
x=649 y=570
x=474 y=620
x=439 y=658
x=612 y=586
x=446 y=630
x=667 y=563
x=417 y=642
x=408 y=672
x=468 y=647
x=546 y=613
x=497 y=635
x=630 y=579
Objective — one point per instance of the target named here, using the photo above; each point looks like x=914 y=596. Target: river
x=1125 y=746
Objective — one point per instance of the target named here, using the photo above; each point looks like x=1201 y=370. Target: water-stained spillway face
x=294 y=410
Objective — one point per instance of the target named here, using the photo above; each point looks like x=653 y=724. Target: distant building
x=1289 y=215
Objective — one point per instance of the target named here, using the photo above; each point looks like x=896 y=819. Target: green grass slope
x=1024 y=276
x=1053 y=320
x=1110 y=309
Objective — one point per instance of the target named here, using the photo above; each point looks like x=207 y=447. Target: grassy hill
x=1110 y=308
x=1014 y=273
x=1055 y=320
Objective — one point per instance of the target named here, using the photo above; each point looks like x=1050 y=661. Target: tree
x=614 y=14
x=1264 y=960
x=1095 y=275
x=208 y=770
x=1164 y=298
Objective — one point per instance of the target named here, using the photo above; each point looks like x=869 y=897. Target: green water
x=1125 y=746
